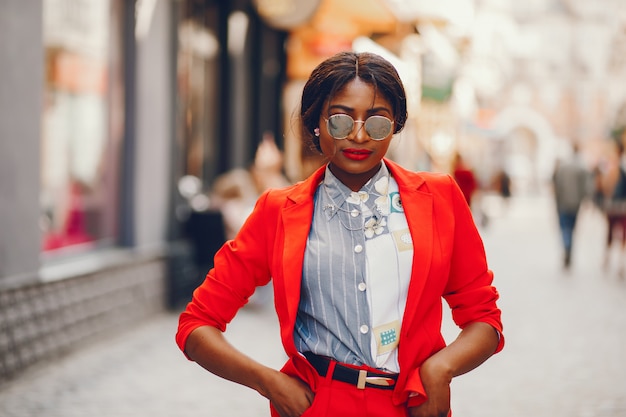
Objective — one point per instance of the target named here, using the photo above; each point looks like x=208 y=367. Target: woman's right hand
x=290 y=396
x=209 y=348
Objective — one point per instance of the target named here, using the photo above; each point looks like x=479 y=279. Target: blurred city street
x=136 y=136
x=565 y=354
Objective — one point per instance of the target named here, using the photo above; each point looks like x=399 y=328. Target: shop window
x=82 y=124
x=198 y=88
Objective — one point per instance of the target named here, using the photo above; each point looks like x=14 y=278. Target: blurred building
x=107 y=104
x=540 y=74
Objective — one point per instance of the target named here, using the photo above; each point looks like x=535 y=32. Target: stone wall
x=45 y=320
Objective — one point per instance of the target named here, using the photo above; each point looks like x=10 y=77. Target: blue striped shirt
x=340 y=314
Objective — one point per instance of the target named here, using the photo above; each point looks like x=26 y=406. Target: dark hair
x=334 y=73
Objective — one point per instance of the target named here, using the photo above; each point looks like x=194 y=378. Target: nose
x=360 y=135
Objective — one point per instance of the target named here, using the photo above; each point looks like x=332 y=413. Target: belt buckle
x=380 y=380
x=362 y=379
x=374 y=380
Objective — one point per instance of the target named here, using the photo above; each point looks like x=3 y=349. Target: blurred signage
x=440 y=62
x=454 y=12
x=286 y=14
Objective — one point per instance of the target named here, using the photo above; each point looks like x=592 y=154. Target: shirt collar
x=337 y=193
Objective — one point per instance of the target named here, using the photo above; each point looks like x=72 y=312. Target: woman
x=360 y=255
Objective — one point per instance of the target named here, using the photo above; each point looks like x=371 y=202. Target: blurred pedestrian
x=464 y=176
x=360 y=255
x=503 y=184
x=235 y=192
x=615 y=209
x=572 y=184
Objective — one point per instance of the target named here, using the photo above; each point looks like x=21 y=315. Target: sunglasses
x=341 y=125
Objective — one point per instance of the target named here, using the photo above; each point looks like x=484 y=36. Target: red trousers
x=336 y=398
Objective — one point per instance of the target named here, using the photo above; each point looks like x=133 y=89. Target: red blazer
x=449 y=261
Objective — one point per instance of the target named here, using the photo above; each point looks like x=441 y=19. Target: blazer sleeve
x=469 y=291
x=241 y=265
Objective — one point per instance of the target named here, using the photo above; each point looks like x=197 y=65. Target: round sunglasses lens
x=378 y=127
x=340 y=126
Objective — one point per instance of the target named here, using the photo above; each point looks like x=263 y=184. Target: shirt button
x=355 y=213
x=358 y=248
x=364 y=328
x=362 y=286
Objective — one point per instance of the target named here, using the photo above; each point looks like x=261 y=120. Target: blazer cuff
x=414 y=389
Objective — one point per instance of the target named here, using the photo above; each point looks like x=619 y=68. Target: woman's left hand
x=476 y=342
x=436 y=381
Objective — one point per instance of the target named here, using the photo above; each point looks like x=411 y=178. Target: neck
x=354 y=181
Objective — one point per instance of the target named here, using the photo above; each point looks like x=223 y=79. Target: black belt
x=357 y=377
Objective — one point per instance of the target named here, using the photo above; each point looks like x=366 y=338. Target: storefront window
x=198 y=89
x=82 y=124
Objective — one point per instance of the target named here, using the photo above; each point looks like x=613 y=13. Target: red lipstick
x=356 y=154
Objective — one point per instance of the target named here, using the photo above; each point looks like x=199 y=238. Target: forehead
x=358 y=94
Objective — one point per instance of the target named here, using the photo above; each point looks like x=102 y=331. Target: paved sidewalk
x=142 y=373
x=565 y=354
x=565 y=330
